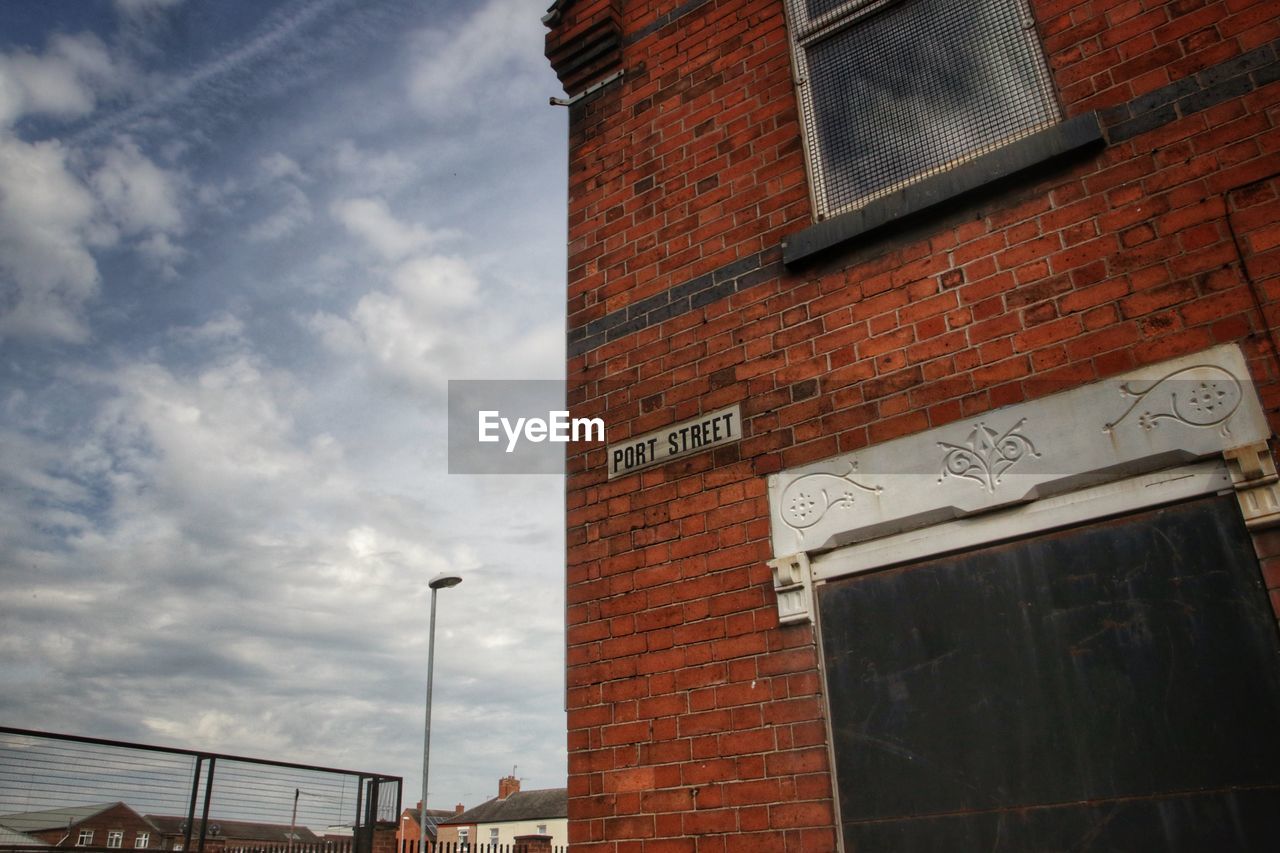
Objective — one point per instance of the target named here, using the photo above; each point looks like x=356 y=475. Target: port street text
x=682 y=439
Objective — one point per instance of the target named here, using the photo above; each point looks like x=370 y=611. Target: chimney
x=507 y=786
x=459 y=808
x=419 y=808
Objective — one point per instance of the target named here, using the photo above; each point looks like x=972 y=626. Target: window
x=85 y=839
x=142 y=840
x=115 y=838
x=493 y=836
x=893 y=91
x=542 y=829
x=177 y=845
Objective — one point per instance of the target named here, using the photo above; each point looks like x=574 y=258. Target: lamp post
x=440 y=581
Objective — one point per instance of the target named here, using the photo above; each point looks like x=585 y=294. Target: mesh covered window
x=892 y=91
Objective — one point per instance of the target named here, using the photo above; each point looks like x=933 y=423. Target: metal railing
x=53 y=787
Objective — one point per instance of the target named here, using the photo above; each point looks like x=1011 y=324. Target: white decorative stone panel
x=1157 y=417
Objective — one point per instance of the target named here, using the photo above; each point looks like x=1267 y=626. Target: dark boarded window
x=897 y=90
x=1108 y=687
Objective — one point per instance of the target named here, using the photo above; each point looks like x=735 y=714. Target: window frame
x=85 y=838
x=141 y=841
x=806 y=31
x=115 y=839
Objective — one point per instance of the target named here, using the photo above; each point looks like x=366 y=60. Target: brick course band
x=1193 y=94
x=662 y=20
x=703 y=290
x=1180 y=99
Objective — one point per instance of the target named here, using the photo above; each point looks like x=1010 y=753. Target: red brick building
x=232 y=836
x=409 y=830
x=103 y=825
x=936 y=343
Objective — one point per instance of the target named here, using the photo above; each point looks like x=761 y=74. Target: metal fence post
x=208 y=794
x=191 y=810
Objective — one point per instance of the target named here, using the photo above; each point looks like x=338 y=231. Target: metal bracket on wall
x=793 y=582
x=590 y=90
x=1253 y=473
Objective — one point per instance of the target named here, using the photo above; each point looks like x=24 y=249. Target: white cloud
x=371 y=220
x=46 y=222
x=371 y=171
x=425 y=320
x=162 y=253
x=63 y=82
x=479 y=65
x=392 y=336
x=51 y=221
x=48 y=218
x=139 y=196
x=52 y=217
x=433 y=283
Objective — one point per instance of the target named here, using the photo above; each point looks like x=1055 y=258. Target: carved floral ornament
x=1194 y=397
x=808 y=499
x=986 y=455
x=1203 y=395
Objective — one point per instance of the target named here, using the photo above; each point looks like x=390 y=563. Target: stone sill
x=1074 y=134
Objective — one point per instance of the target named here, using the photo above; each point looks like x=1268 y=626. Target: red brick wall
x=695 y=721
x=533 y=844
x=386 y=838
x=409 y=832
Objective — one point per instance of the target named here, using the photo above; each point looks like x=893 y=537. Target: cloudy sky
x=243 y=246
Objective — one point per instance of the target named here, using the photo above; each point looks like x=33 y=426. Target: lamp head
x=444 y=580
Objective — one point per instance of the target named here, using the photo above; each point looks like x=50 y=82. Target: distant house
x=104 y=825
x=513 y=813
x=409 y=830
x=233 y=836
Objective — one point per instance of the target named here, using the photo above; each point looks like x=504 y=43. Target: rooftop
x=522 y=805
x=53 y=818
x=242 y=829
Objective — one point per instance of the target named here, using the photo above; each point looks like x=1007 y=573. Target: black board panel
x=1124 y=660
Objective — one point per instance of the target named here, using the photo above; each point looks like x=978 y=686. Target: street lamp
x=440 y=581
